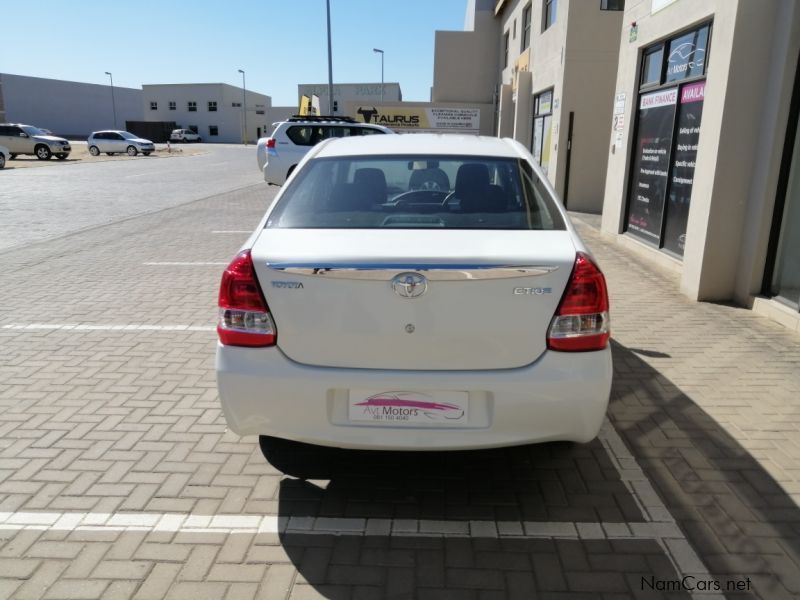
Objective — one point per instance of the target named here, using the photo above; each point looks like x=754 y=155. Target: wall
x=466 y=62
x=590 y=68
x=67 y=108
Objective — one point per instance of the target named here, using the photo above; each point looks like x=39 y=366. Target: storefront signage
x=682 y=169
x=420 y=119
x=686 y=55
x=651 y=164
x=619 y=103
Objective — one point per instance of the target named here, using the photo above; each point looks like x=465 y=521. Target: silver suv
x=26 y=139
x=279 y=154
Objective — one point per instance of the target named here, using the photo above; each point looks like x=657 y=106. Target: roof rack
x=321 y=118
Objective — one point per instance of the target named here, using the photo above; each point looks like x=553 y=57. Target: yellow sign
x=305 y=105
x=421 y=118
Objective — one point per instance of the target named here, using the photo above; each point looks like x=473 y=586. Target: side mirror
x=23 y=134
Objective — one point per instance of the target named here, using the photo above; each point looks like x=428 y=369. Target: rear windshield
x=413 y=192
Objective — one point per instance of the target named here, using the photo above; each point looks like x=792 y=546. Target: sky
x=278 y=43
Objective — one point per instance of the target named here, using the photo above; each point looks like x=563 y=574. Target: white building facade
x=217 y=111
x=355 y=93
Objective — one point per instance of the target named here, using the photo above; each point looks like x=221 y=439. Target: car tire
x=43 y=152
x=12 y=156
x=146 y=153
x=131 y=151
x=2 y=161
x=94 y=150
x=61 y=156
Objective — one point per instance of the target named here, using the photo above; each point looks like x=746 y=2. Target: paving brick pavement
x=118 y=479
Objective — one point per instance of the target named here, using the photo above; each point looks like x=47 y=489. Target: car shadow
x=733 y=513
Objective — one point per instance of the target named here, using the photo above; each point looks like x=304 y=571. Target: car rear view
x=415 y=292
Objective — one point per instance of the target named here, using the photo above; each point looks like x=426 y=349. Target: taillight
x=270 y=142
x=244 y=318
x=581 y=322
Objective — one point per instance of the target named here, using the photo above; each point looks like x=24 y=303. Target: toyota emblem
x=409 y=285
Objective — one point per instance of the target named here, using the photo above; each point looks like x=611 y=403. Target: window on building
x=505 y=50
x=153 y=105
x=514 y=30
x=668 y=118
x=236 y=104
x=213 y=130
x=172 y=105
x=549 y=16
x=261 y=112
x=191 y=106
x=212 y=107
x=612 y=4
x=652 y=62
x=542 y=137
x=526 y=28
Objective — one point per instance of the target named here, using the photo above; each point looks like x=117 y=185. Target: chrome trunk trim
x=433 y=272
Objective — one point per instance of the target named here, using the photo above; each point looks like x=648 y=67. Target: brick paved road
x=118 y=479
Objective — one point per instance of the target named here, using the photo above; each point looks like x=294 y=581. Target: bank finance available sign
x=421 y=119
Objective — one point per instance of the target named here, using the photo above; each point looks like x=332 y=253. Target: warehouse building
x=67 y=108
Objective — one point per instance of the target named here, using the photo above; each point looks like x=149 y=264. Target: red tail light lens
x=581 y=323
x=270 y=142
x=244 y=318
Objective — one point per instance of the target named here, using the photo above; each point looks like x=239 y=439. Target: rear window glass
x=413 y=192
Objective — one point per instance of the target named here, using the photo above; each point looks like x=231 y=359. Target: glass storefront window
x=667 y=135
x=542 y=128
x=687 y=55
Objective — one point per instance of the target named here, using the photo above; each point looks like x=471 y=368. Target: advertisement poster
x=690 y=112
x=651 y=164
x=421 y=119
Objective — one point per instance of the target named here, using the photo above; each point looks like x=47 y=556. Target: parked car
x=26 y=139
x=4 y=156
x=279 y=154
x=367 y=312
x=114 y=141
x=184 y=135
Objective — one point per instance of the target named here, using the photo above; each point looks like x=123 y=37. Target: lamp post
x=113 y=103
x=244 y=108
x=330 y=61
x=378 y=50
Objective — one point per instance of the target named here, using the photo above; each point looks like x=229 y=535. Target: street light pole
x=244 y=108
x=330 y=61
x=113 y=103
x=381 y=53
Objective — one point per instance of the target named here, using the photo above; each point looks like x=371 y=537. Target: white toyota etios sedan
x=415 y=292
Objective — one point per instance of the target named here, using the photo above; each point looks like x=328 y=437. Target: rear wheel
x=94 y=150
x=43 y=152
x=61 y=156
x=2 y=161
x=132 y=151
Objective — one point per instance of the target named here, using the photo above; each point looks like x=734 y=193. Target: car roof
x=418 y=143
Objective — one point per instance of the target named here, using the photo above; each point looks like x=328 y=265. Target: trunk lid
x=489 y=300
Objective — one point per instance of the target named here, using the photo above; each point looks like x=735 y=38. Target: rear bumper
x=560 y=397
